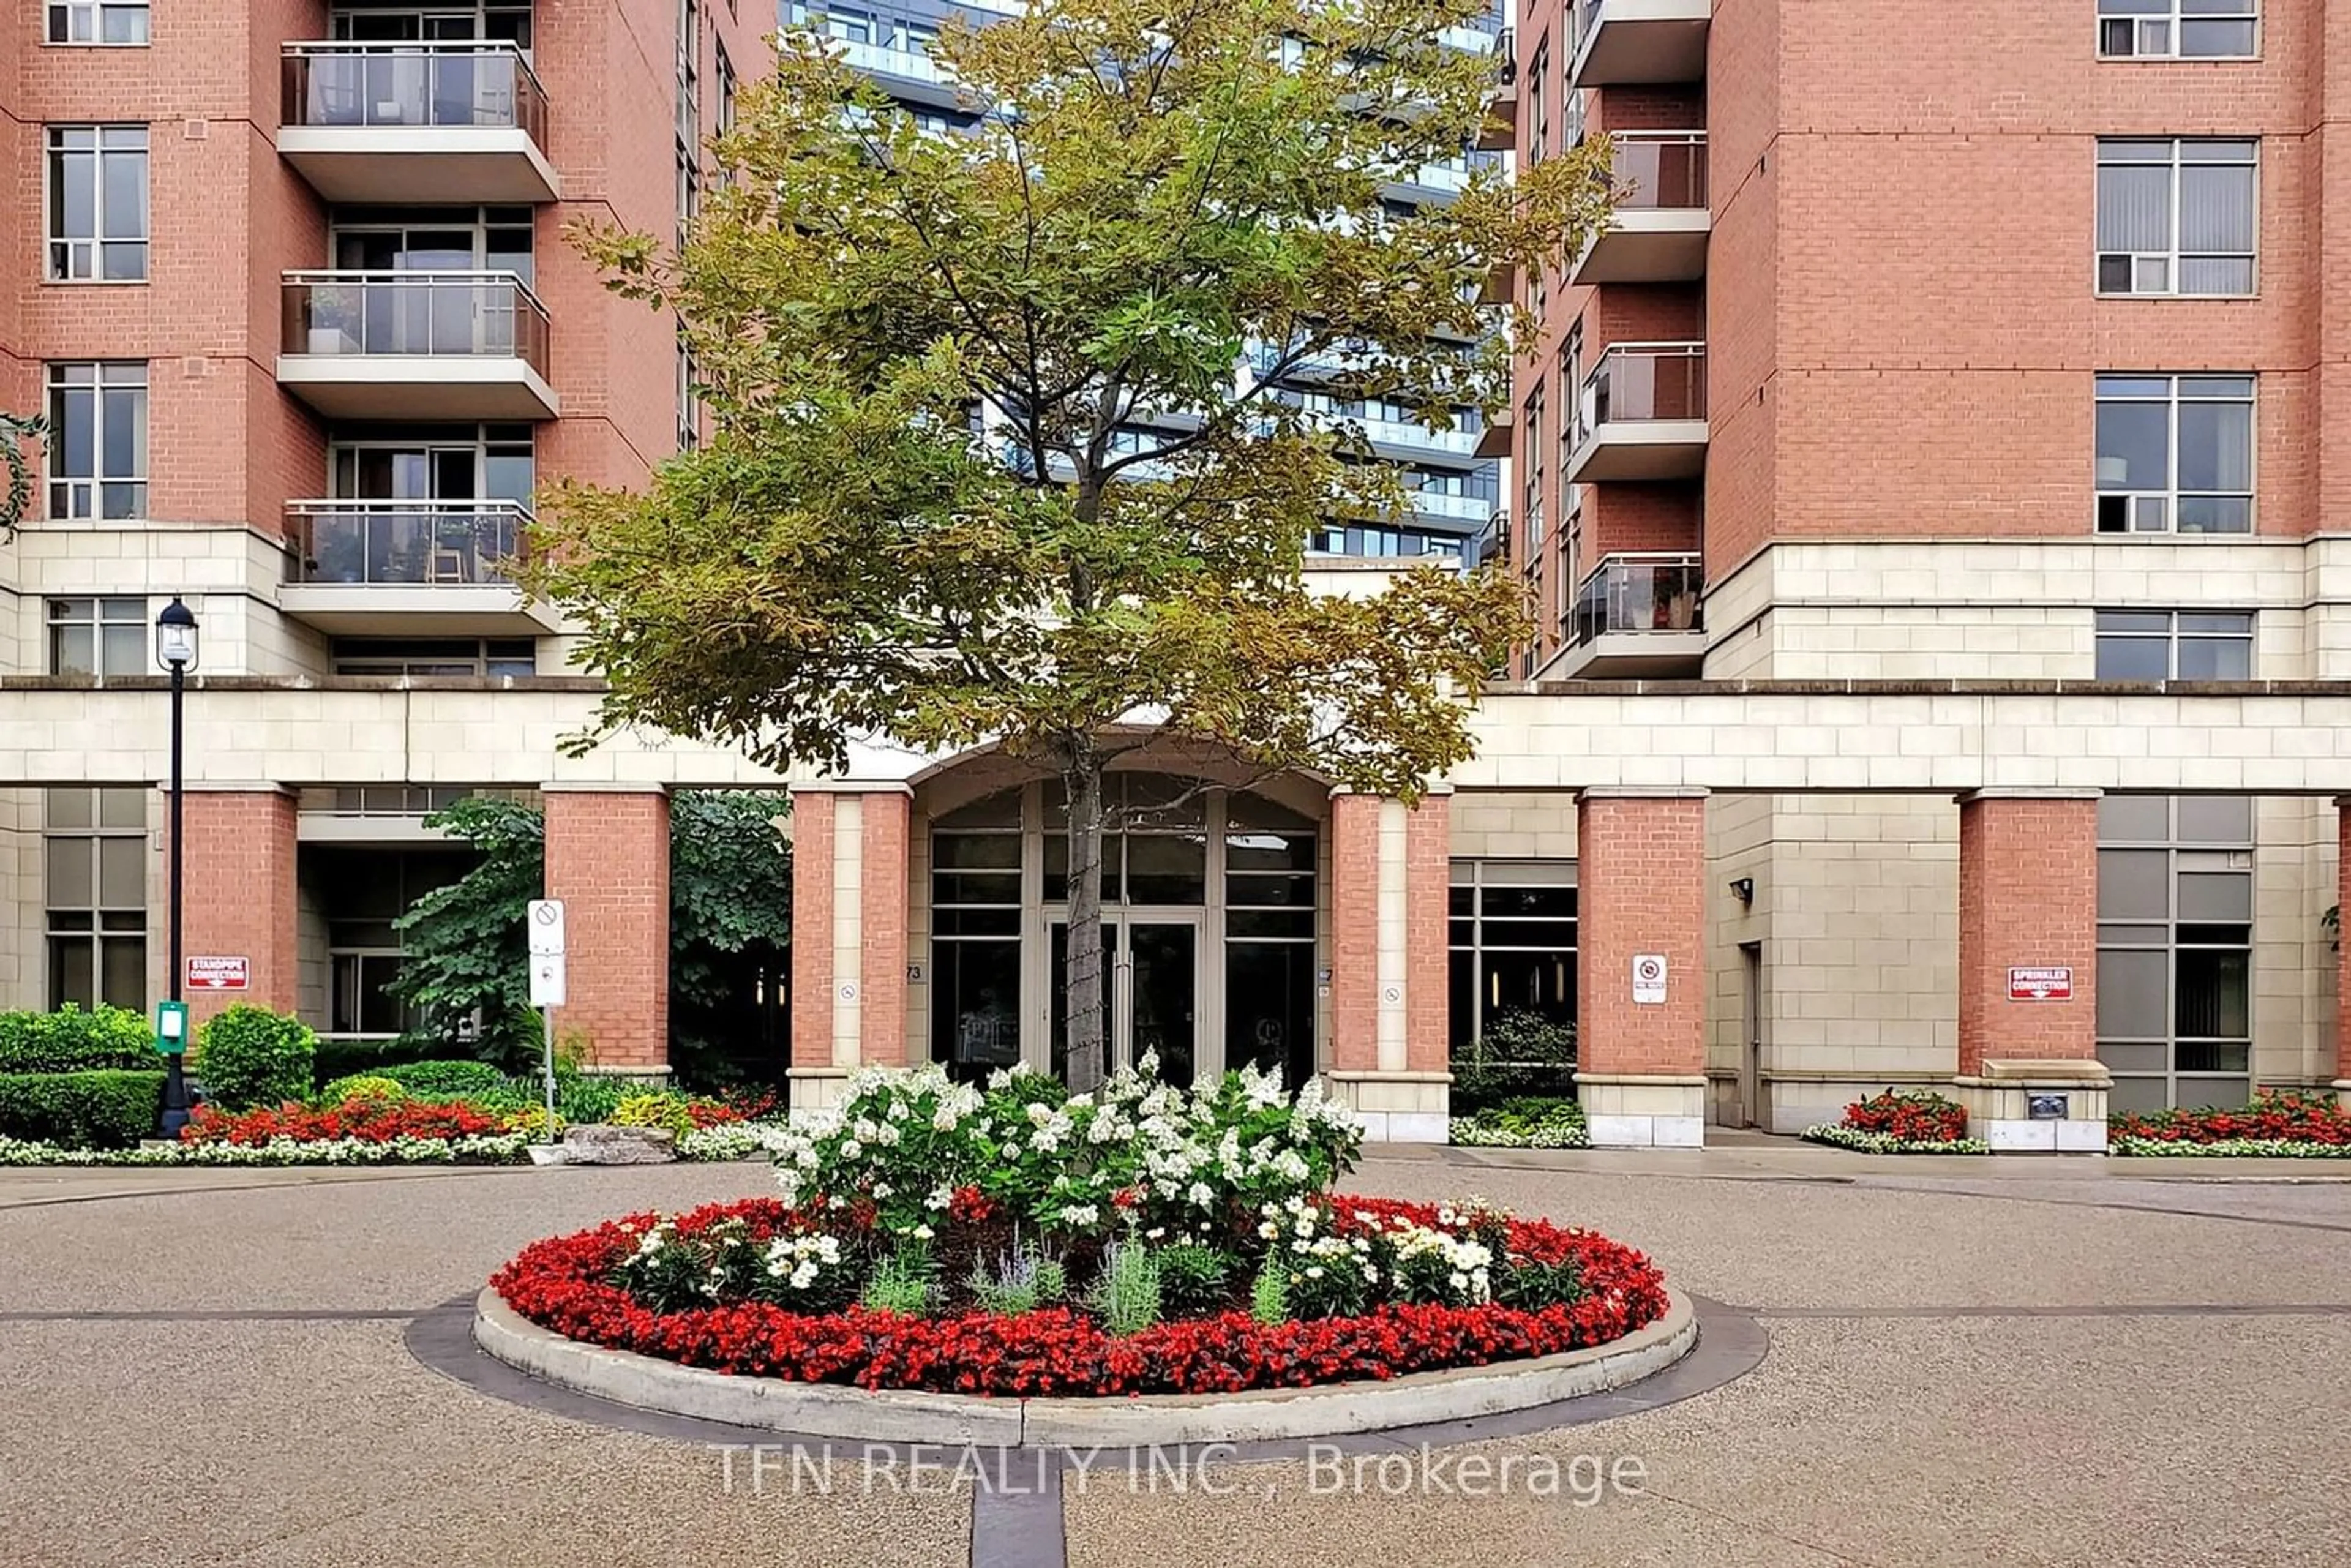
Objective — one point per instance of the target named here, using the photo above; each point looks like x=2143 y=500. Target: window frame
x=94 y=485
x=2174 y=19
x=107 y=923
x=1471 y=875
x=60 y=616
x=2172 y=494
x=97 y=10
x=2172 y=256
x=56 y=248
x=2174 y=634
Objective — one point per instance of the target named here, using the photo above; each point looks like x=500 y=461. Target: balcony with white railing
x=416 y=345
x=409 y=567
x=1631 y=41
x=439 y=122
x=1660 y=229
x=1408 y=438
x=1637 y=615
x=1450 y=509
x=1642 y=415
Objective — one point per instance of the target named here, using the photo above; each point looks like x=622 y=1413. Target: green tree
x=730 y=920
x=924 y=515
x=466 y=955
x=15 y=431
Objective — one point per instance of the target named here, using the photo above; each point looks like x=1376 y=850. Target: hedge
x=72 y=1040
x=250 y=1056
x=349 y=1058
x=104 y=1110
x=445 y=1080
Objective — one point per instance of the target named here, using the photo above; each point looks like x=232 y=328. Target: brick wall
x=1641 y=889
x=1623 y=517
x=813 y=929
x=240 y=899
x=608 y=860
x=1428 y=882
x=2028 y=898
x=886 y=895
x=1354 y=932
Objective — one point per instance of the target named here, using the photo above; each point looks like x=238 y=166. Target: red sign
x=220 y=974
x=2041 y=984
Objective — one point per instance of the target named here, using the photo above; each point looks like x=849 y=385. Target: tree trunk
x=1085 y=973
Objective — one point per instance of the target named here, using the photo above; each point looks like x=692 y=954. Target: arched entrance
x=1214 y=937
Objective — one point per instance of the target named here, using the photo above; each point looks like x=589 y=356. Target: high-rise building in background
x=1944 y=382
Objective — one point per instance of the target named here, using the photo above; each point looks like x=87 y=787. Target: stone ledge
x=831 y=1410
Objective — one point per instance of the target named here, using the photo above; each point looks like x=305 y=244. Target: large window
x=102 y=637
x=1512 y=935
x=2175 y=645
x=1531 y=495
x=2175 y=949
x=94 y=888
x=2177 y=217
x=2175 y=455
x=98 y=439
x=1270 y=974
x=976 y=908
x=2177 y=29
x=97 y=204
x=97 y=21
x=358 y=894
x=1538 y=104
x=473 y=657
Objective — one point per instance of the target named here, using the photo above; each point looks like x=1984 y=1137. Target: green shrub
x=1269 y=1294
x=351 y=1058
x=1520 y=1052
x=108 y=1109
x=250 y=1056
x=1023 y=1279
x=582 y=1098
x=446 y=1079
x=642 y=1110
x=1531 y=1286
x=1195 y=1280
x=361 y=1086
x=1125 y=1295
x=906 y=1282
x=72 y=1040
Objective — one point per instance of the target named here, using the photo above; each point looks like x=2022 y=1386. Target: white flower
x=881 y=1189
x=1201 y=1194
x=852 y=1149
x=1269 y=1229
x=946 y=1120
x=941 y=1197
x=924 y=1233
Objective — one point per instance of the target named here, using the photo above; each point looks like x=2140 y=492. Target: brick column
x=2342 y=955
x=240 y=898
x=608 y=860
x=1641 y=894
x=849 y=934
x=2029 y=900
x=1390 y=870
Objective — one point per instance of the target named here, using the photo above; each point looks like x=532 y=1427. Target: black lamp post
x=175 y=650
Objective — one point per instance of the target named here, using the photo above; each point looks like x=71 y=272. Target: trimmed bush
x=72 y=1040
x=351 y=1058
x=361 y=1086
x=446 y=1080
x=250 y=1056
x=102 y=1110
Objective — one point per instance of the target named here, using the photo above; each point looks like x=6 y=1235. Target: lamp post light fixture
x=175 y=650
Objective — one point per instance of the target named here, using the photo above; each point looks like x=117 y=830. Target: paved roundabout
x=1920 y=1361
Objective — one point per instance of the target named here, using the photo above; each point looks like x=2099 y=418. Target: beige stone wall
x=23 y=980
x=1502 y=824
x=2294 y=962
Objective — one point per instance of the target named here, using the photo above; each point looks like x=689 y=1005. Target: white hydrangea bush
x=1153 y=1156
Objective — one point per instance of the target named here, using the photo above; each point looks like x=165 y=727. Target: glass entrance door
x=1151 y=994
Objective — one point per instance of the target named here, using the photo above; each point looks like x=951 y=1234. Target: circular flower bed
x=1022 y=1241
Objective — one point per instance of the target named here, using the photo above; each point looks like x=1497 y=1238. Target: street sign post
x=545 y=923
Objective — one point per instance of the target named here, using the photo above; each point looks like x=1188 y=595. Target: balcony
x=390 y=123
x=1411 y=441
x=1631 y=41
x=910 y=74
x=1500 y=134
x=420 y=567
x=1448 y=511
x=1659 y=232
x=1637 y=616
x=1642 y=414
x=416 y=345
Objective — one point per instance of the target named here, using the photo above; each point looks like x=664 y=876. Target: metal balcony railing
x=1640 y=593
x=407 y=543
x=1660 y=169
x=491 y=315
x=1645 y=381
x=476 y=85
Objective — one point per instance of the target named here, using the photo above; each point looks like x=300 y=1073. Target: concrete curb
x=831 y=1410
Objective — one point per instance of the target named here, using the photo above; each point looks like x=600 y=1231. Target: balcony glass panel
x=1638 y=593
x=1646 y=381
x=1661 y=169
x=474 y=84
x=408 y=544
x=459 y=314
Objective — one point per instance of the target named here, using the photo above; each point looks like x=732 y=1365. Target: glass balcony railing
x=407 y=543
x=1640 y=593
x=480 y=85
x=1451 y=504
x=892 y=60
x=474 y=315
x=1660 y=170
x=1645 y=381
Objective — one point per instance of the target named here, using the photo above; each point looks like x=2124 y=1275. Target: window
x=97 y=21
x=2176 y=217
x=689 y=430
x=97 y=204
x=358 y=895
x=1269 y=967
x=102 y=637
x=98 y=442
x=1537 y=105
x=434 y=656
x=94 y=887
x=2176 y=29
x=1373 y=540
x=1512 y=938
x=2175 y=949
x=976 y=904
x=1533 y=497
x=724 y=71
x=2175 y=455
x=2175 y=645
